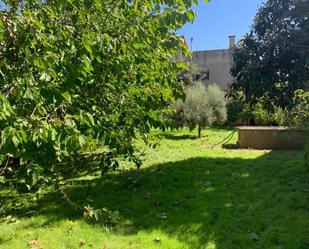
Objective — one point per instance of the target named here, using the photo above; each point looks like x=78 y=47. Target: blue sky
x=219 y=19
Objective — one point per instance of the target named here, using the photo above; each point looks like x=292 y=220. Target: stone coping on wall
x=269 y=128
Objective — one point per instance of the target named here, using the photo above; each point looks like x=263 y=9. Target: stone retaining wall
x=271 y=138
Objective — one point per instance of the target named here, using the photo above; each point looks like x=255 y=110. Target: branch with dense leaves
x=82 y=75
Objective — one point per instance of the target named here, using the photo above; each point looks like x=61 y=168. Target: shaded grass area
x=212 y=198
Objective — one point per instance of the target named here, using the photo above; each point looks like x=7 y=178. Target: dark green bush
x=241 y=113
x=300 y=116
x=234 y=110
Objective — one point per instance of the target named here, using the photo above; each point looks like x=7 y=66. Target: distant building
x=217 y=63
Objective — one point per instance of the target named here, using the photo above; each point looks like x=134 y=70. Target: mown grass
x=213 y=199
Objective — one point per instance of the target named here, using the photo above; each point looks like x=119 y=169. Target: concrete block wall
x=271 y=138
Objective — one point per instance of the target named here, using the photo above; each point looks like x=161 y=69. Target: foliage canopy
x=272 y=61
x=202 y=106
x=79 y=74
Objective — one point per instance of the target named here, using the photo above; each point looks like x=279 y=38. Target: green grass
x=213 y=199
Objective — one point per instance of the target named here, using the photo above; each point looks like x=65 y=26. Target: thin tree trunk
x=199 y=131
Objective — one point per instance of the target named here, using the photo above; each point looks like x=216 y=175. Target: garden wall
x=271 y=138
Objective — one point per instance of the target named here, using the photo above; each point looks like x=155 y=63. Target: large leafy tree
x=272 y=61
x=78 y=74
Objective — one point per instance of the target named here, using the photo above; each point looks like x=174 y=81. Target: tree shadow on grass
x=177 y=137
x=230 y=202
x=230 y=146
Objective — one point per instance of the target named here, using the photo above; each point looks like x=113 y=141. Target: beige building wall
x=218 y=63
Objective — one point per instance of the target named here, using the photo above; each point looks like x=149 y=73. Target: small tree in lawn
x=203 y=106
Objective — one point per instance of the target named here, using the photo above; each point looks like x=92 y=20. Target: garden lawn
x=186 y=195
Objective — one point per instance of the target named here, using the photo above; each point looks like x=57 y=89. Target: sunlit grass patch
x=186 y=195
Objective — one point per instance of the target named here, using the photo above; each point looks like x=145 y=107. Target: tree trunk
x=199 y=131
x=252 y=122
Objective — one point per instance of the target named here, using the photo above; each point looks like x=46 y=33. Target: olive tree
x=203 y=105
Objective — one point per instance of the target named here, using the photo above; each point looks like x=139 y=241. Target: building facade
x=217 y=63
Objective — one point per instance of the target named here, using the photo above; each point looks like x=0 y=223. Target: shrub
x=261 y=115
x=234 y=110
x=300 y=116
x=202 y=106
x=300 y=112
x=241 y=113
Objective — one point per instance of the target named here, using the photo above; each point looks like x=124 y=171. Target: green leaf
x=88 y=48
x=70 y=123
x=15 y=141
x=2 y=180
x=67 y=97
x=191 y=15
x=82 y=141
x=88 y=3
x=90 y=118
x=45 y=77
